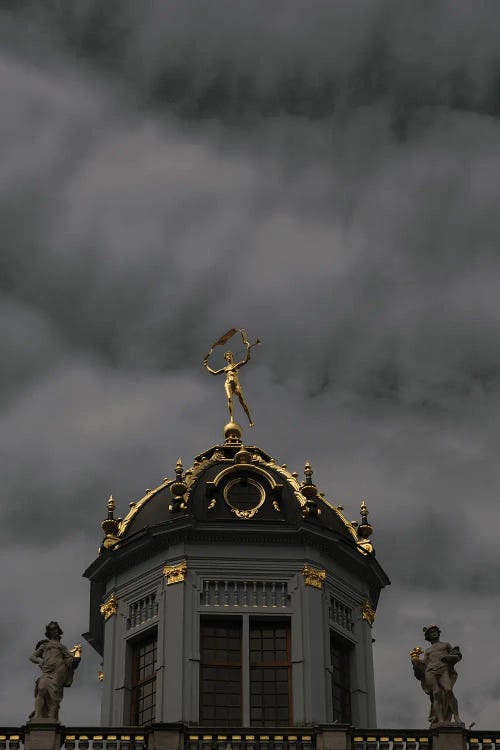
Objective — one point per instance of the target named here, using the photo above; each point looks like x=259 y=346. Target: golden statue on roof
x=232 y=384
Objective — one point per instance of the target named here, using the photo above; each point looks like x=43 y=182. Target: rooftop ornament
x=178 y=488
x=57 y=664
x=110 y=526
x=437 y=675
x=310 y=492
x=364 y=529
x=232 y=384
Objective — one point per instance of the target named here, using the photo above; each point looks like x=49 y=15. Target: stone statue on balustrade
x=58 y=665
x=435 y=668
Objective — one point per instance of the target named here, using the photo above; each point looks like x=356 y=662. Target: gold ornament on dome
x=110 y=526
x=110 y=607
x=175 y=573
x=367 y=612
x=313 y=576
x=232 y=384
x=235 y=501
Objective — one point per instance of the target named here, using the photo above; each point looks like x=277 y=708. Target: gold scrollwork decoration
x=313 y=576
x=175 y=573
x=247 y=512
x=367 y=612
x=110 y=607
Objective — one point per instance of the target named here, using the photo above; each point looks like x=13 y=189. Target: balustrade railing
x=341 y=614
x=142 y=610
x=126 y=738
x=230 y=593
x=277 y=739
x=483 y=740
x=11 y=739
x=393 y=739
x=208 y=738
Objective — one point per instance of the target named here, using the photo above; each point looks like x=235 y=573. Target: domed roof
x=232 y=494
x=236 y=485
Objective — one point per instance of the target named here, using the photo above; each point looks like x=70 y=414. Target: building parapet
x=182 y=737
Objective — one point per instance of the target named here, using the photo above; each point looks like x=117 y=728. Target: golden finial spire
x=365 y=530
x=310 y=492
x=232 y=385
x=178 y=488
x=110 y=526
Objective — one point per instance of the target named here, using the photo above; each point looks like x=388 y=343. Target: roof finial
x=110 y=526
x=310 y=492
x=178 y=488
x=365 y=530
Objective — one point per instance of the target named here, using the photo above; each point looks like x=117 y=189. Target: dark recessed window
x=270 y=674
x=143 y=687
x=244 y=495
x=220 y=672
x=267 y=686
x=340 y=653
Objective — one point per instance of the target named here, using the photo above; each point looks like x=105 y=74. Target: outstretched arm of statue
x=416 y=662
x=247 y=355
x=207 y=366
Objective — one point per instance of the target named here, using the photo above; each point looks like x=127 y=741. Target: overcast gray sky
x=326 y=174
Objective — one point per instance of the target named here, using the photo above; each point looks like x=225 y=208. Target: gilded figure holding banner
x=232 y=384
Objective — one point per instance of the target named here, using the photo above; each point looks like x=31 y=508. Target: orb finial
x=232 y=433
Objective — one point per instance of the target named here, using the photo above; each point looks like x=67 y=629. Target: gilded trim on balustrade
x=175 y=573
x=367 y=612
x=110 y=607
x=313 y=576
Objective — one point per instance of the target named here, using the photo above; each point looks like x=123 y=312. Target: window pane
x=220 y=672
x=341 y=682
x=270 y=674
x=143 y=682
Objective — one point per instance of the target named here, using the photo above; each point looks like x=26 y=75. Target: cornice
x=150 y=540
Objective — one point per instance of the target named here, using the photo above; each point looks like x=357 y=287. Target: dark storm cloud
x=327 y=175
x=232 y=58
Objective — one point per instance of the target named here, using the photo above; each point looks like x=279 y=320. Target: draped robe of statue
x=57 y=664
